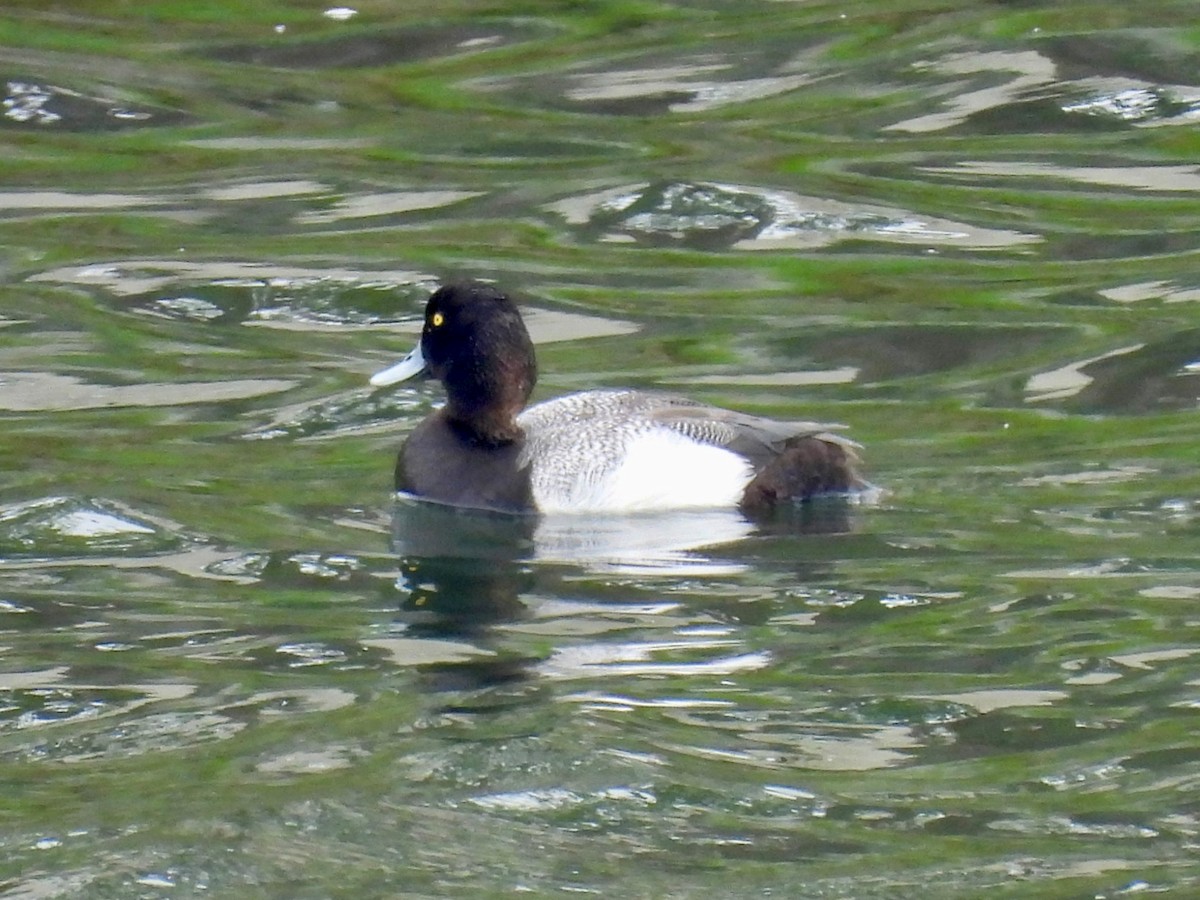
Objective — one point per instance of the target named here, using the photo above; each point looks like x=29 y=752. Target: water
x=232 y=665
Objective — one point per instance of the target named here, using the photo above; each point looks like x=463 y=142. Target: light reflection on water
x=748 y=218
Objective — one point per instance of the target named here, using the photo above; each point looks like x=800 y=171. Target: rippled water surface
x=231 y=664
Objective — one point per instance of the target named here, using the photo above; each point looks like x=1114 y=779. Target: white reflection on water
x=384 y=204
x=302 y=700
x=265 y=190
x=1127 y=103
x=1145 y=660
x=73 y=202
x=764 y=218
x=986 y=701
x=130 y=277
x=47 y=391
x=311 y=762
x=842 y=375
x=72 y=526
x=601 y=701
x=194 y=562
x=61 y=700
x=1068 y=380
x=1090 y=476
x=1029 y=68
x=695 y=80
x=1142 y=178
x=1167 y=291
x=637 y=658
x=73 y=518
x=1108 y=568
x=423 y=651
x=1172 y=592
x=272 y=144
x=1138 y=102
x=634 y=544
x=841 y=748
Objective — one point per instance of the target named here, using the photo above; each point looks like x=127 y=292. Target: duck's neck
x=486 y=410
x=488 y=428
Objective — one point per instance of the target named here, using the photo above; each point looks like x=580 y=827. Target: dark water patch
x=1144 y=245
x=1147 y=55
x=1158 y=376
x=1039 y=115
x=377 y=48
x=917 y=658
x=884 y=353
x=36 y=105
x=1164 y=759
x=499 y=146
x=1003 y=732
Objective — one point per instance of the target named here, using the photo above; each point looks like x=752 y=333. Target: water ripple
x=35 y=104
x=73 y=526
x=750 y=218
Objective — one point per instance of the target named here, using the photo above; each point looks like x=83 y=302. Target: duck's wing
x=791 y=460
x=754 y=437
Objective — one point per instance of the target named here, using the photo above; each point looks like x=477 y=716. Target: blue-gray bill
x=409 y=367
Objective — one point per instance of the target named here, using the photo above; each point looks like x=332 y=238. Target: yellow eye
x=437 y=319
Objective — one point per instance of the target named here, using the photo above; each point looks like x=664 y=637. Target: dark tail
x=808 y=466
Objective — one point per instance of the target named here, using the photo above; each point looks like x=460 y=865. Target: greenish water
x=231 y=665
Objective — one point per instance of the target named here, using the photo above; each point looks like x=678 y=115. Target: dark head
x=475 y=343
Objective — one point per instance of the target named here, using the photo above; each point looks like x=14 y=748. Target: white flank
x=658 y=469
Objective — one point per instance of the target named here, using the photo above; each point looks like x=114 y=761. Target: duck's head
x=476 y=344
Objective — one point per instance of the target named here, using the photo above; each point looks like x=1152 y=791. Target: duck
x=616 y=450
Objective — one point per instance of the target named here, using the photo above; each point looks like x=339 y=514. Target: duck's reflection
x=462 y=571
x=475 y=586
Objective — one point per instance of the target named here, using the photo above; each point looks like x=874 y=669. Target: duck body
x=600 y=451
